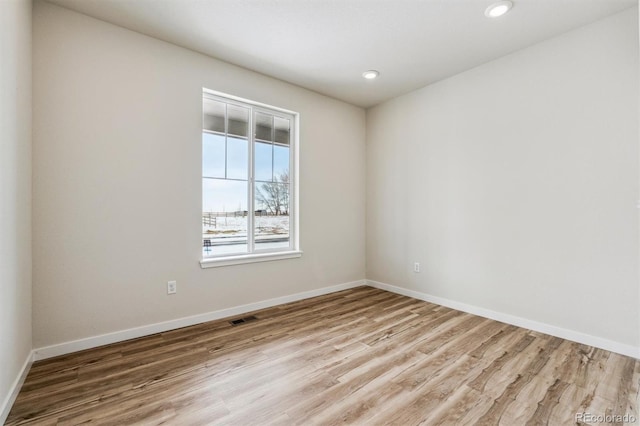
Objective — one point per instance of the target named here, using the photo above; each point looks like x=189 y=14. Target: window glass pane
x=264 y=127
x=224 y=216
x=238 y=120
x=282 y=130
x=263 y=161
x=237 y=158
x=281 y=163
x=213 y=115
x=212 y=155
x=271 y=216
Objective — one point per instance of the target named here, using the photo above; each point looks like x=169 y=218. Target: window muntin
x=248 y=204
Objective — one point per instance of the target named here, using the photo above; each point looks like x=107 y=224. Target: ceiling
x=326 y=45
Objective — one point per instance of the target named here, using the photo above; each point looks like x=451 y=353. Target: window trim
x=215 y=262
x=261 y=255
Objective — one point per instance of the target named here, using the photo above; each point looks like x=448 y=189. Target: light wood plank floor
x=361 y=356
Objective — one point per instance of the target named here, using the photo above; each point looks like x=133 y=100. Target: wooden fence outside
x=210 y=218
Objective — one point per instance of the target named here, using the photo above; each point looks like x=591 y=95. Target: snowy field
x=237 y=226
x=229 y=235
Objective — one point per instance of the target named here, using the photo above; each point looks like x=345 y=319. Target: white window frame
x=261 y=255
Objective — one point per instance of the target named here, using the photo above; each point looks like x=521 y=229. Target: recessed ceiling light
x=498 y=9
x=371 y=74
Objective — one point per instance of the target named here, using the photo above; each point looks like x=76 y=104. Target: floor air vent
x=243 y=320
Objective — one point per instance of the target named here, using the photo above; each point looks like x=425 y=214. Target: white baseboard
x=552 y=330
x=5 y=408
x=132 y=333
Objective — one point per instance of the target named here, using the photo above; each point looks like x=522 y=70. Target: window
x=249 y=210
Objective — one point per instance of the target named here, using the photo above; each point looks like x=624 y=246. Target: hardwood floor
x=361 y=356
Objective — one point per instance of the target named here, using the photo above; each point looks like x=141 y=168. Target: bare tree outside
x=274 y=196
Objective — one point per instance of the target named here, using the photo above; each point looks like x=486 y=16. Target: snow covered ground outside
x=237 y=226
x=229 y=235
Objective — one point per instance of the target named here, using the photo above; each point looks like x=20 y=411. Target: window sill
x=216 y=262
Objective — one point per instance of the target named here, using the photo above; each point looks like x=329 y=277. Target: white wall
x=117 y=167
x=15 y=193
x=515 y=184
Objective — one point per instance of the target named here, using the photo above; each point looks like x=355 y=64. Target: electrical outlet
x=416 y=267
x=172 y=287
